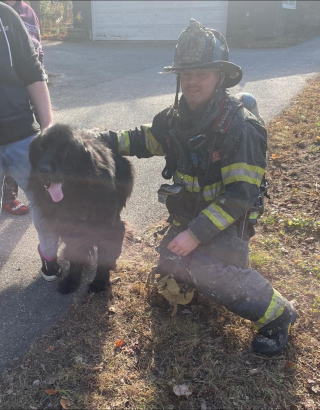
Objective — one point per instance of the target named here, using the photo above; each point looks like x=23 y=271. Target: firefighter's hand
x=183 y=244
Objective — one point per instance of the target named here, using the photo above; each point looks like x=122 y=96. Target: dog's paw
x=67 y=285
x=98 y=286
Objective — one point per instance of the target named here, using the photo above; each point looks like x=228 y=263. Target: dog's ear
x=35 y=152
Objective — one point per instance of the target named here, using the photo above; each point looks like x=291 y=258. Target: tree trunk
x=36 y=7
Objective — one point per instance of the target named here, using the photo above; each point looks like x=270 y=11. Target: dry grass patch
x=123 y=351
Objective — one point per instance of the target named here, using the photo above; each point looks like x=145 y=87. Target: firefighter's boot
x=273 y=337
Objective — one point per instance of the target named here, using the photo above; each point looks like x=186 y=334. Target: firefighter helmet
x=201 y=48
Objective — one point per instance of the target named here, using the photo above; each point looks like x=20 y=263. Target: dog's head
x=60 y=156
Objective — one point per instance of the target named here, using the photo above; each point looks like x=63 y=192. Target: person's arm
x=143 y=142
x=24 y=57
x=40 y=99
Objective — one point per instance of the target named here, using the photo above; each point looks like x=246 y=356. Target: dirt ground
x=126 y=352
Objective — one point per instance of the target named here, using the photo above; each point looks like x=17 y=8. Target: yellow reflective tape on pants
x=218 y=216
x=123 y=143
x=254 y=215
x=152 y=145
x=175 y=223
x=274 y=310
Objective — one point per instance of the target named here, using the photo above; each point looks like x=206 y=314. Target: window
x=289 y=4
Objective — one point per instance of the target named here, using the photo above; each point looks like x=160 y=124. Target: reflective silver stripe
x=218 y=216
x=191 y=183
x=8 y=44
x=242 y=171
x=211 y=192
x=274 y=310
x=123 y=143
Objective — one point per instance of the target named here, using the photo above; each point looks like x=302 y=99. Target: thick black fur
x=96 y=186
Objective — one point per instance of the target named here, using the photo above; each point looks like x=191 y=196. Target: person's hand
x=183 y=244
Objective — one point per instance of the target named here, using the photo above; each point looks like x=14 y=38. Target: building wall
x=268 y=19
x=153 y=20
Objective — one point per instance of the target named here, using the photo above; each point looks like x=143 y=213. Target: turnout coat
x=226 y=170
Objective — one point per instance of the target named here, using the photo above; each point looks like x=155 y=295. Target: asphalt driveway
x=116 y=85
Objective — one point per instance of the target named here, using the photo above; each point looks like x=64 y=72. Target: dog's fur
x=95 y=184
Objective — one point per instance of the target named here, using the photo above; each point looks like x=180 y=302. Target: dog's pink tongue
x=55 y=191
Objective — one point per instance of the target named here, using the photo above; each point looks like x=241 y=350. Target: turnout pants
x=241 y=290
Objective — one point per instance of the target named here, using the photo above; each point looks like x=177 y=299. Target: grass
x=126 y=352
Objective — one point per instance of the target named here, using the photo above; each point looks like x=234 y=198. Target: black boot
x=50 y=270
x=273 y=337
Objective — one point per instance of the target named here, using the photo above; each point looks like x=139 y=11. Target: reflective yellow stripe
x=274 y=310
x=175 y=223
x=242 y=172
x=152 y=144
x=123 y=143
x=254 y=215
x=218 y=216
x=191 y=183
x=210 y=192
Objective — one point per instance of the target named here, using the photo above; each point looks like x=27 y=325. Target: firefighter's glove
x=176 y=293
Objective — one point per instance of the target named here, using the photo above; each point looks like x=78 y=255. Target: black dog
x=81 y=187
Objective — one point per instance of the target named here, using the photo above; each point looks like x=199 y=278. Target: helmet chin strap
x=218 y=86
x=176 y=100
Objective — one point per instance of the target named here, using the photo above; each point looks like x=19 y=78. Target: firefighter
x=215 y=151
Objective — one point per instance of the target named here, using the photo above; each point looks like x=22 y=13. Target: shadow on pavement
x=26 y=313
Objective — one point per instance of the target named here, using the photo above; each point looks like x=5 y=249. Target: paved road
x=116 y=85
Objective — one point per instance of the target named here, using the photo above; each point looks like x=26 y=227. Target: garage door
x=153 y=20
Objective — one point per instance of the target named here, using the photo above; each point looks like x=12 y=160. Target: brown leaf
x=50 y=349
x=65 y=403
x=119 y=343
x=221 y=319
x=51 y=392
x=289 y=365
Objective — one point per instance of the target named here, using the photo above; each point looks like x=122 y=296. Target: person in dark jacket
x=10 y=203
x=22 y=80
x=216 y=154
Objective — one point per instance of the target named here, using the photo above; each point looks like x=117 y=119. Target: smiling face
x=197 y=86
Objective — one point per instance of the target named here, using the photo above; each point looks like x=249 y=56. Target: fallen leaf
x=65 y=403
x=36 y=383
x=98 y=368
x=254 y=371
x=50 y=349
x=221 y=319
x=51 y=392
x=315 y=388
x=181 y=390
x=119 y=343
x=289 y=365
